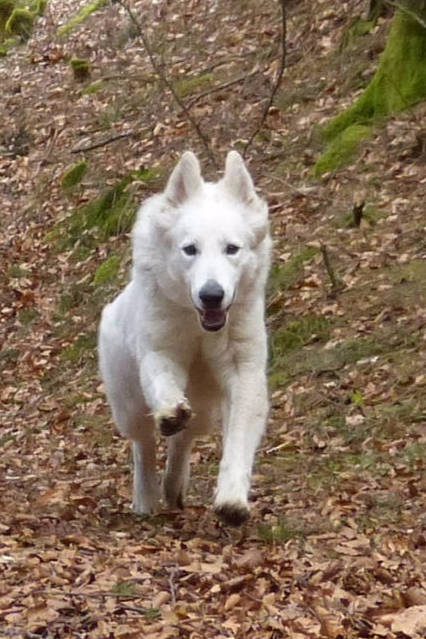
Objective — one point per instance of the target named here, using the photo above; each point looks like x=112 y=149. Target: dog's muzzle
x=212 y=316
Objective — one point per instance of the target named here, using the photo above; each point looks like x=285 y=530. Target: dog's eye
x=190 y=249
x=232 y=249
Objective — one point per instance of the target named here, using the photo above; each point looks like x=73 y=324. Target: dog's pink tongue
x=213 y=320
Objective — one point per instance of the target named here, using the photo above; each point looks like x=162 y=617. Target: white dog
x=184 y=344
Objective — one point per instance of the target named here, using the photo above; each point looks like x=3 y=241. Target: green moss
x=399 y=82
x=361 y=27
x=107 y=271
x=80 y=68
x=408 y=283
x=289 y=361
x=81 y=16
x=124 y=589
x=6 y=9
x=75 y=400
x=402 y=411
x=329 y=469
x=299 y=93
x=16 y=270
x=414 y=271
x=74 y=174
x=282 y=531
x=296 y=333
x=113 y=212
x=370 y=213
x=38 y=7
x=289 y=340
x=277 y=380
x=69 y=300
x=356 y=29
x=81 y=349
x=342 y=149
x=284 y=275
x=187 y=86
x=8 y=356
x=27 y=316
x=20 y=23
x=113 y=112
x=93 y=87
x=17 y=21
x=352 y=351
x=414 y=454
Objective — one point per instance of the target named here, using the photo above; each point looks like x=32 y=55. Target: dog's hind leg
x=131 y=414
x=176 y=476
x=146 y=488
x=139 y=429
x=207 y=415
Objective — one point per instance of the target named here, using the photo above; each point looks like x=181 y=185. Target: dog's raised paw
x=232 y=514
x=171 y=422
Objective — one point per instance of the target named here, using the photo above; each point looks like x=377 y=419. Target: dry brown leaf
x=411 y=622
x=414 y=596
x=250 y=559
x=232 y=601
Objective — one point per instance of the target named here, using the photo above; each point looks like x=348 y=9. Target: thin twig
x=139 y=609
x=202 y=95
x=52 y=142
x=278 y=78
x=336 y=285
x=96 y=145
x=358 y=208
x=404 y=9
x=172 y=585
x=169 y=85
x=76 y=593
x=222 y=63
x=304 y=191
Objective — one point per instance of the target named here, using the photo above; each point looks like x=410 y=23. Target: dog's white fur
x=161 y=364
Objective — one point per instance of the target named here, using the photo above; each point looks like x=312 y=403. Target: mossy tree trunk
x=399 y=82
x=400 y=79
x=376 y=9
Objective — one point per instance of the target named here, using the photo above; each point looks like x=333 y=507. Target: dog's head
x=215 y=238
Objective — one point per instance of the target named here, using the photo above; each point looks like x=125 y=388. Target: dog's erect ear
x=185 y=179
x=239 y=184
x=237 y=179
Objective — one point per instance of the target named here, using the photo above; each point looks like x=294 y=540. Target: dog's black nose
x=211 y=294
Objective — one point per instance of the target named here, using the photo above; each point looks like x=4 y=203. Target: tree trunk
x=376 y=9
x=400 y=79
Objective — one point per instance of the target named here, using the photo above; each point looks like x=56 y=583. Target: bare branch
x=172 y=584
x=412 y=14
x=358 y=207
x=336 y=284
x=278 y=78
x=96 y=145
x=225 y=85
x=168 y=84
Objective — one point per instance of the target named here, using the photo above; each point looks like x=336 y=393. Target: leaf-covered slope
x=336 y=544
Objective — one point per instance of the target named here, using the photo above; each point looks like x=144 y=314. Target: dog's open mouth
x=212 y=320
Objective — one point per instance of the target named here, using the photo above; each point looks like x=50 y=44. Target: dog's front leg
x=247 y=413
x=163 y=383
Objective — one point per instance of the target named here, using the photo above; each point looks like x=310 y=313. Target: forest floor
x=336 y=543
